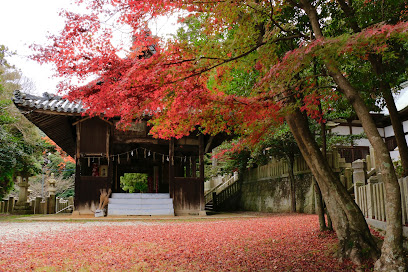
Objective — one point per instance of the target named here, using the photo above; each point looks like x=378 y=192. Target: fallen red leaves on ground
x=267 y=243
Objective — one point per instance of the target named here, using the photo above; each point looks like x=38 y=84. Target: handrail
x=66 y=208
x=220 y=187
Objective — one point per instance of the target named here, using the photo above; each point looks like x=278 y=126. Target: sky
x=25 y=22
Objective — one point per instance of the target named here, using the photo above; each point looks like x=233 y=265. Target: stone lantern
x=51 y=192
x=51 y=185
x=22 y=206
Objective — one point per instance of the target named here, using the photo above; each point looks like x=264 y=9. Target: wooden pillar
x=171 y=167
x=77 y=167
x=193 y=167
x=201 y=169
x=188 y=169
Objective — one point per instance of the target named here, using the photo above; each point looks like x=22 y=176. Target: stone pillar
x=23 y=184
x=5 y=206
x=37 y=205
x=71 y=200
x=10 y=204
x=349 y=177
x=22 y=206
x=371 y=207
x=372 y=158
x=51 y=192
x=43 y=206
x=359 y=177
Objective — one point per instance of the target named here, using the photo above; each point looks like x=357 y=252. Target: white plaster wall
x=362 y=142
x=357 y=130
x=388 y=131
x=341 y=130
x=381 y=131
x=394 y=155
x=405 y=126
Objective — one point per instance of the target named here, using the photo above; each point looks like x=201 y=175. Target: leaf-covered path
x=267 y=243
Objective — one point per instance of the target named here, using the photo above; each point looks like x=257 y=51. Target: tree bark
x=392 y=257
x=320 y=206
x=329 y=222
x=349 y=223
x=291 y=162
x=385 y=89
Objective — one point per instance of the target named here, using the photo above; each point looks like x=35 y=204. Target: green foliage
x=67 y=193
x=58 y=166
x=20 y=143
x=134 y=182
x=399 y=170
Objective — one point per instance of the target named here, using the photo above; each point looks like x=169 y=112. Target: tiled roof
x=47 y=102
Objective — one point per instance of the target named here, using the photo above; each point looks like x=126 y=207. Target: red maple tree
x=278 y=40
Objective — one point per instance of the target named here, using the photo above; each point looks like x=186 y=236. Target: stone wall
x=272 y=194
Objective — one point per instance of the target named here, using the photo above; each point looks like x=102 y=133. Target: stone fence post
x=10 y=204
x=359 y=177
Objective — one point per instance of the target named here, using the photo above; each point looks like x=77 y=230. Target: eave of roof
x=47 y=102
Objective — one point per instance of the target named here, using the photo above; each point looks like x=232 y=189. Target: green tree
x=134 y=182
x=20 y=143
x=284 y=41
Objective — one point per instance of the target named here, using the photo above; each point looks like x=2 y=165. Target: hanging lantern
x=131 y=153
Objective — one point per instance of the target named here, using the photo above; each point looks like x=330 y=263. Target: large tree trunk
x=385 y=89
x=349 y=223
x=291 y=162
x=392 y=257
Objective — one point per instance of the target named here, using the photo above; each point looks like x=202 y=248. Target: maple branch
x=237 y=57
x=195 y=59
x=350 y=14
x=270 y=17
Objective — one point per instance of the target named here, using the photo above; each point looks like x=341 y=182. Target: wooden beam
x=187 y=141
x=201 y=180
x=136 y=141
x=80 y=121
x=78 y=143
x=209 y=144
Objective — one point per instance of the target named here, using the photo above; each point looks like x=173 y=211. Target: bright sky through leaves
x=24 y=22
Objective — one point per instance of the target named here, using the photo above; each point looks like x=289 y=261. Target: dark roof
x=47 y=102
x=53 y=115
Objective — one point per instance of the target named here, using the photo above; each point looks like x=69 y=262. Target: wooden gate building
x=103 y=153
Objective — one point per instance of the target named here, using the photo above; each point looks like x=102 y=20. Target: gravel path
x=10 y=232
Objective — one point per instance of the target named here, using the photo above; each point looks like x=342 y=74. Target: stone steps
x=140 y=204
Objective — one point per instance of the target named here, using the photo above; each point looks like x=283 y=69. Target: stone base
x=23 y=209
x=202 y=213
